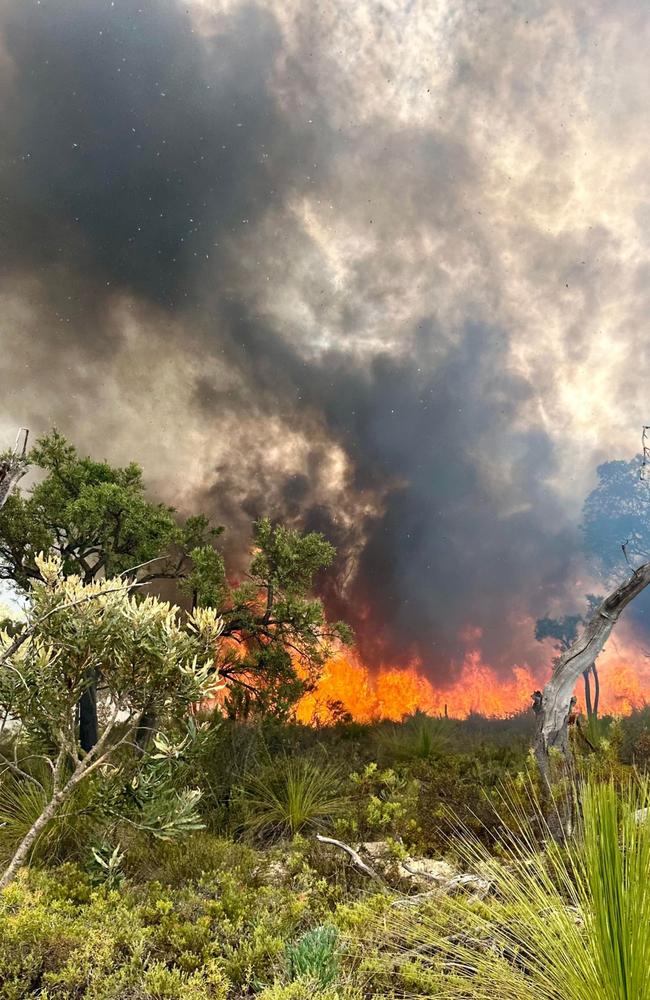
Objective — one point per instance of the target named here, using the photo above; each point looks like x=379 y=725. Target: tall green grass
x=419 y=737
x=567 y=923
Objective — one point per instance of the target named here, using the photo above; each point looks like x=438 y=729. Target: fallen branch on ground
x=357 y=860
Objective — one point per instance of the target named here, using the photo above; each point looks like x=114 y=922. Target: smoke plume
x=376 y=270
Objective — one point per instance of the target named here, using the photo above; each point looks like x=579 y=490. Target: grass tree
x=148 y=655
x=288 y=796
x=561 y=923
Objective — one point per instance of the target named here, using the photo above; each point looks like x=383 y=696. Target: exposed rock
x=377 y=850
x=428 y=876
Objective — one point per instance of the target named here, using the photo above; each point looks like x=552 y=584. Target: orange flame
x=348 y=686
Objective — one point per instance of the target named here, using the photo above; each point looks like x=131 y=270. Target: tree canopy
x=616 y=518
x=280 y=635
x=99 y=521
x=149 y=655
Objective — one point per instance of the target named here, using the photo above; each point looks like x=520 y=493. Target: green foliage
x=149 y=659
x=163 y=983
x=208 y=917
x=289 y=795
x=463 y=787
x=384 y=805
x=634 y=735
x=178 y=864
x=106 y=865
x=567 y=924
x=278 y=623
x=315 y=956
x=22 y=800
x=147 y=656
x=217 y=936
x=98 y=519
x=419 y=737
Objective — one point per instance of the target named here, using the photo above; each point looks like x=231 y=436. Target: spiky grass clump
x=315 y=956
x=22 y=800
x=569 y=923
x=420 y=737
x=288 y=796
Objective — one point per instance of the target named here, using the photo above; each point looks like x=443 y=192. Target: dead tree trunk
x=588 y=705
x=594 y=671
x=14 y=467
x=553 y=705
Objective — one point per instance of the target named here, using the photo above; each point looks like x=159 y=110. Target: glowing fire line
x=347 y=685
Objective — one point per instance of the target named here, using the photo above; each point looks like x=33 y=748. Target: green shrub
x=186 y=862
x=161 y=983
x=465 y=785
x=384 y=805
x=59 y=933
x=561 y=924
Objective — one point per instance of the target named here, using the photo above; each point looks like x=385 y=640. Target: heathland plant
x=289 y=795
x=315 y=956
x=149 y=657
x=419 y=737
x=562 y=923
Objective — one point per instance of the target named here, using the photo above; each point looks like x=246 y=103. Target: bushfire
x=347 y=688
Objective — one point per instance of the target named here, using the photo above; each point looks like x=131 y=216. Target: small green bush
x=384 y=805
x=61 y=934
x=315 y=956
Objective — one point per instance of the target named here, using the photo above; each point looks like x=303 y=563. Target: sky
x=377 y=269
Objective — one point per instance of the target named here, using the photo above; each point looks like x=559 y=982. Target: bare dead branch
x=357 y=861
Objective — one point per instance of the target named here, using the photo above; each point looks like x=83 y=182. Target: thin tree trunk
x=86 y=766
x=553 y=706
x=13 y=468
x=596 y=689
x=588 y=705
x=88 y=726
x=59 y=795
x=28 y=841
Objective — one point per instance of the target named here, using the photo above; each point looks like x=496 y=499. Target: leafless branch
x=357 y=861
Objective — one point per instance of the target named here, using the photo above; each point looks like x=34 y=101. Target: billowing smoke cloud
x=376 y=270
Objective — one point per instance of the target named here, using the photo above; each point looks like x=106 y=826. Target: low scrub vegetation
x=169 y=832
x=252 y=904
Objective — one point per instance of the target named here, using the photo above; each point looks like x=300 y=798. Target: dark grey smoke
x=156 y=175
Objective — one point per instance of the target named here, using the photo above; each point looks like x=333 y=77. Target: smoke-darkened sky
x=379 y=269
